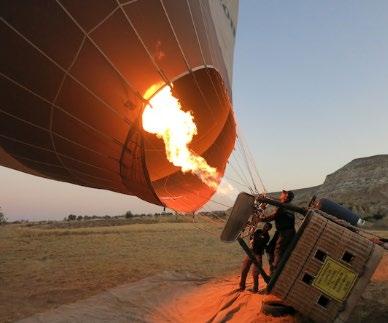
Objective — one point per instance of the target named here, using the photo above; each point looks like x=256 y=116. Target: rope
x=247 y=164
x=253 y=163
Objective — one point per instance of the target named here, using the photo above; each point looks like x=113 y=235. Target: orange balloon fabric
x=72 y=79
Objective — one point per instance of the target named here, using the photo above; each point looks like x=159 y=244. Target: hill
x=361 y=185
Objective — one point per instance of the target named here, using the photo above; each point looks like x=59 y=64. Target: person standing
x=285 y=230
x=258 y=240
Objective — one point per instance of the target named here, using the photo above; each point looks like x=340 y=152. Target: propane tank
x=338 y=211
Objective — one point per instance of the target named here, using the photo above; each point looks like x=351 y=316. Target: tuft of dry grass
x=42 y=267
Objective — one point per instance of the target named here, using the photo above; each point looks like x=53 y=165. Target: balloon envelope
x=73 y=78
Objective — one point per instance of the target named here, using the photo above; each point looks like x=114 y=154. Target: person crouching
x=258 y=240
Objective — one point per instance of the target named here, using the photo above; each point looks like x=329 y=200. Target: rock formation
x=361 y=185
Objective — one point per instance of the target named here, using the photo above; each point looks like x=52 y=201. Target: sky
x=310 y=91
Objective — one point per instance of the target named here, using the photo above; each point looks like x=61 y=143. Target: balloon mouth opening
x=165 y=117
x=203 y=99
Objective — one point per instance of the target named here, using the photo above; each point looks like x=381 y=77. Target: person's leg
x=246 y=264
x=285 y=238
x=256 y=273
x=271 y=251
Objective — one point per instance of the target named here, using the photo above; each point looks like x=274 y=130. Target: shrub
x=71 y=217
x=128 y=215
x=3 y=219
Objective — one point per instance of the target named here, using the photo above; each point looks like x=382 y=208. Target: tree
x=128 y=215
x=71 y=217
x=79 y=218
x=3 y=219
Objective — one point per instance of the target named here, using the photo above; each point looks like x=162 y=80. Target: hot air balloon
x=75 y=77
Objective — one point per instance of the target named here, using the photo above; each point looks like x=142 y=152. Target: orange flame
x=164 y=117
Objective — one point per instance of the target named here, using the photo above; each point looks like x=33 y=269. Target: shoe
x=253 y=290
x=241 y=288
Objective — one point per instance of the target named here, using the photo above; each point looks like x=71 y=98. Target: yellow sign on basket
x=334 y=279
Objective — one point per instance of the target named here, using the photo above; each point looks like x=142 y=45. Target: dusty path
x=184 y=297
x=167 y=297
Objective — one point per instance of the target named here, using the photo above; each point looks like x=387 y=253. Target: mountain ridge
x=361 y=185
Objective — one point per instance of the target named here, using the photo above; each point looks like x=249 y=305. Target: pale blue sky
x=311 y=85
x=310 y=91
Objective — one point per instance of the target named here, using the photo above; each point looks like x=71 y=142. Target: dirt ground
x=373 y=306
x=43 y=267
x=175 y=297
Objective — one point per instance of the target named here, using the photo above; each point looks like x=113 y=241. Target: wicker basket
x=325 y=271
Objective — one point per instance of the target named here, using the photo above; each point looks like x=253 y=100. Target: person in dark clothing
x=270 y=250
x=285 y=230
x=259 y=240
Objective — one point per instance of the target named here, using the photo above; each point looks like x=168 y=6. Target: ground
x=42 y=267
x=45 y=266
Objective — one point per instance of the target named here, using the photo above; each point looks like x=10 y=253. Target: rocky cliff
x=361 y=185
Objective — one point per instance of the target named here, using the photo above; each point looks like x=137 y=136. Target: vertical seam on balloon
x=184 y=56
x=159 y=70
x=175 y=36
x=146 y=175
x=200 y=48
x=91 y=30
x=196 y=34
x=113 y=66
x=217 y=55
x=52 y=111
x=208 y=43
x=132 y=130
x=212 y=54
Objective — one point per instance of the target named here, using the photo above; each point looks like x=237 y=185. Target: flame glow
x=164 y=117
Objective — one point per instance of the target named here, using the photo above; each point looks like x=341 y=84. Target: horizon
x=309 y=89
x=153 y=209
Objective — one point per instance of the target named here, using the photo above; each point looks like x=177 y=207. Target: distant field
x=44 y=266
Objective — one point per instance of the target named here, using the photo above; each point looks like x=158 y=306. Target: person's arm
x=269 y=217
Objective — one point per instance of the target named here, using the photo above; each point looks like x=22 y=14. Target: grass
x=42 y=267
